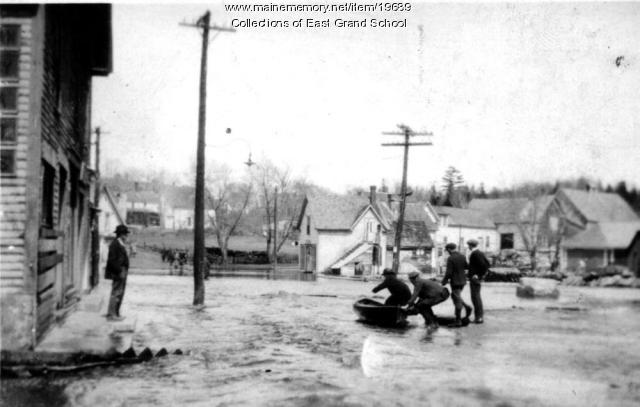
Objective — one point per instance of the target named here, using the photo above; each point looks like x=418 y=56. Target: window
x=48 y=179
x=506 y=241
x=488 y=243
x=9 y=99
x=9 y=76
x=7 y=161
x=62 y=187
x=8 y=127
x=9 y=63
x=308 y=225
x=10 y=35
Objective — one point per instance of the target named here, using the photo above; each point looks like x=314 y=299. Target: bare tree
x=530 y=204
x=290 y=192
x=228 y=201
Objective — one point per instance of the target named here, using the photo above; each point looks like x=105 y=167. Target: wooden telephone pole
x=407 y=133
x=275 y=229
x=198 y=232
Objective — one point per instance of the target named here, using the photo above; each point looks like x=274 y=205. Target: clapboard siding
x=16 y=224
x=10 y=241
x=11 y=249
x=13 y=197
x=40 y=263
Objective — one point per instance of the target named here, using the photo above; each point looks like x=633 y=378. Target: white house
x=341 y=234
x=457 y=225
x=513 y=216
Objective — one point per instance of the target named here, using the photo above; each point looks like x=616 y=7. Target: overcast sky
x=511 y=92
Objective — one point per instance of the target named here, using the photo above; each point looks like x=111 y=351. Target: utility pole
x=198 y=231
x=275 y=229
x=407 y=133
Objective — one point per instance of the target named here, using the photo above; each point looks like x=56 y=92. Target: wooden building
x=633 y=255
x=343 y=235
x=49 y=55
x=597 y=228
x=354 y=234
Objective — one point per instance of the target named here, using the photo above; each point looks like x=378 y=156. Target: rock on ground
x=537 y=288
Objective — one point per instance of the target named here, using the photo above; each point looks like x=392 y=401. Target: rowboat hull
x=374 y=312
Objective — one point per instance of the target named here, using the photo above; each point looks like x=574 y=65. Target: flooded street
x=297 y=343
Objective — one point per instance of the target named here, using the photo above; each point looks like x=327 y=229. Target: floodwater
x=272 y=342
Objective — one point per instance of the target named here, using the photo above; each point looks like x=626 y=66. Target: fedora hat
x=121 y=230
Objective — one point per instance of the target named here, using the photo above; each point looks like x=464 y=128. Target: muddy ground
x=297 y=343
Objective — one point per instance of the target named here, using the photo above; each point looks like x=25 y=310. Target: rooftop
x=600 y=206
x=604 y=235
x=465 y=217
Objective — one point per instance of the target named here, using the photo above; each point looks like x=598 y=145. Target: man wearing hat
x=116 y=270
x=455 y=274
x=400 y=292
x=478 y=267
x=428 y=293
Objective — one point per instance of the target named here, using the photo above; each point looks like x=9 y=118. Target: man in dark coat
x=478 y=267
x=117 y=270
x=455 y=274
x=428 y=293
x=400 y=292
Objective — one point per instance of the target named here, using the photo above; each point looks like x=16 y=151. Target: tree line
x=246 y=204
x=454 y=191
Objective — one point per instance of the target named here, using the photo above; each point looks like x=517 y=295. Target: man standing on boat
x=400 y=292
x=478 y=267
x=428 y=293
x=455 y=274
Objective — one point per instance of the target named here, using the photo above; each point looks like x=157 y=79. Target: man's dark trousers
x=424 y=307
x=456 y=297
x=117 y=294
x=476 y=300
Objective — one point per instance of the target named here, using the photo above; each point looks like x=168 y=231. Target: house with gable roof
x=597 y=228
x=337 y=233
x=516 y=220
x=583 y=229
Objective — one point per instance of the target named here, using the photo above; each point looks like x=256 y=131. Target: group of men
x=428 y=293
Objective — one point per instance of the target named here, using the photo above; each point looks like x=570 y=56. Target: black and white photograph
x=317 y=203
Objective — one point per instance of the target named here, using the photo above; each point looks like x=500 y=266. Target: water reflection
x=293 y=275
x=291 y=343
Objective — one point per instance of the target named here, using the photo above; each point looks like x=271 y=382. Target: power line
x=198 y=233
x=407 y=133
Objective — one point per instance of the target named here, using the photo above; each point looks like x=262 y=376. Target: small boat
x=374 y=312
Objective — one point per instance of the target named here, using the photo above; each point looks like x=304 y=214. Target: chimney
x=372 y=194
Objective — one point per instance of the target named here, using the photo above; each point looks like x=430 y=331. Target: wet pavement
x=275 y=342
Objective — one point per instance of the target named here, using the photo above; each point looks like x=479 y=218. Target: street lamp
x=250 y=163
